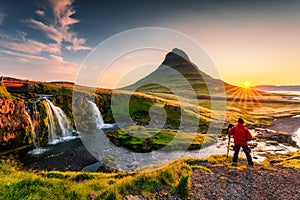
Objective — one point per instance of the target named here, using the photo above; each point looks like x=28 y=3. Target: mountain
x=278 y=88
x=175 y=73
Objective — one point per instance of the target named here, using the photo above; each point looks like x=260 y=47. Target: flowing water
x=98 y=117
x=99 y=145
x=296 y=137
x=59 y=126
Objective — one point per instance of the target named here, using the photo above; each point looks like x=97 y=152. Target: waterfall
x=98 y=117
x=32 y=129
x=59 y=127
x=32 y=115
x=296 y=137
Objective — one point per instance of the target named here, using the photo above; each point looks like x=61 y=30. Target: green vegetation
x=3 y=91
x=53 y=89
x=17 y=184
x=141 y=139
x=293 y=161
x=183 y=187
x=142 y=102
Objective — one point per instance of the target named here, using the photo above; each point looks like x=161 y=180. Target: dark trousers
x=247 y=152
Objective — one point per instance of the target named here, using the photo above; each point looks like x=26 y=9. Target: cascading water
x=32 y=114
x=296 y=137
x=98 y=117
x=59 y=127
x=32 y=129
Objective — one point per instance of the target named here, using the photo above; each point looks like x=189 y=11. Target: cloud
x=77 y=44
x=60 y=6
x=40 y=12
x=59 y=69
x=59 y=28
x=1 y=18
x=29 y=57
x=31 y=47
x=52 y=32
x=49 y=68
x=25 y=56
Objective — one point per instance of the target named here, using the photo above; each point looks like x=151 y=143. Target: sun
x=246 y=84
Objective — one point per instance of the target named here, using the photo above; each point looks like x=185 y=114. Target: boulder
x=131 y=197
x=267 y=134
x=92 y=196
x=15 y=129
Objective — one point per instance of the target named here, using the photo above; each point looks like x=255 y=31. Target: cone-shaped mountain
x=175 y=72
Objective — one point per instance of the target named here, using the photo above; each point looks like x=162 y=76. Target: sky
x=49 y=40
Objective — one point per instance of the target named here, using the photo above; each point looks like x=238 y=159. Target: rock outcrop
x=270 y=135
x=15 y=129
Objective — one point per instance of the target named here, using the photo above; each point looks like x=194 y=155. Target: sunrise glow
x=246 y=84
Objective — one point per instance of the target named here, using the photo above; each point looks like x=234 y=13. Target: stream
x=96 y=146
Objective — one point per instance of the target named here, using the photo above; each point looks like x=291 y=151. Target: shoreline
x=288 y=125
x=75 y=157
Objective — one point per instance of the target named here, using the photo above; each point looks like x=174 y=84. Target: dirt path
x=249 y=183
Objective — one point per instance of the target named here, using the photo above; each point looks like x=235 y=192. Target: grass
x=3 y=91
x=292 y=161
x=141 y=139
x=18 y=184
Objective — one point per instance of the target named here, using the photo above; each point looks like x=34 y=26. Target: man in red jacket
x=241 y=137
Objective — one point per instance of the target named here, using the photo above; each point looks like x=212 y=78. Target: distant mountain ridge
x=278 y=88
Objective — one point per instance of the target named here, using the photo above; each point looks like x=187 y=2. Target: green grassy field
x=175 y=178
x=18 y=184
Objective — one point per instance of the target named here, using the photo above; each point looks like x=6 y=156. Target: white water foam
x=98 y=117
x=59 y=128
x=296 y=137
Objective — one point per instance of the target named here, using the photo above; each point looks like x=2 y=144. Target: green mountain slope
x=176 y=71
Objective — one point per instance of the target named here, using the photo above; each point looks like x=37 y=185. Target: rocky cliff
x=15 y=129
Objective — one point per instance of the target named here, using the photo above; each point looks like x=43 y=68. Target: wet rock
x=92 y=196
x=269 y=142
x=252 y=144
x=109 y=166
x=275 y=161
x=131 y=197
x=271 y=135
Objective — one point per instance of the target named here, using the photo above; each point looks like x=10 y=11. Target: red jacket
x=240 y=134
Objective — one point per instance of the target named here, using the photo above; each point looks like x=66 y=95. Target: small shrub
x=112 y=196
x=82 y=177
x=183 y=188
x=54 y=175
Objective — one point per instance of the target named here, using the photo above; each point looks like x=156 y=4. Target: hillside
x=175 y=72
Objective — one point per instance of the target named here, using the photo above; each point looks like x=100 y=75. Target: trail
x=228 y=183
